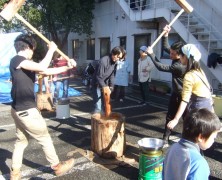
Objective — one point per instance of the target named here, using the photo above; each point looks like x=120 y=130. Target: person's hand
x=52 y=46
x=167 y=29
x=149 y=50
x=54 y=78
x=72 y=63
x=107 y=90
x=172 y=123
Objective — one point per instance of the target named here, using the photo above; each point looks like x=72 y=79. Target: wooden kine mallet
x=185 y=7
x=10 y=10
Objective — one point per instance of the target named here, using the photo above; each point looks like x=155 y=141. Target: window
x=122 y=42
x=75 y=49
x=91 y=49
x=173 y=37
x=104 y=47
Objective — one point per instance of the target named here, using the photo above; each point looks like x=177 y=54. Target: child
x=184 y=160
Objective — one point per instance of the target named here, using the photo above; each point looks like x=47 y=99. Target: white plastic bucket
x=62 y=109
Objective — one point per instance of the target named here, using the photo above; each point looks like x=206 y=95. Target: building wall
x=111 y=21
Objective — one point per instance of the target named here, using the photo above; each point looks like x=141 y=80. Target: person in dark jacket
x=103 y=78
x=177 y=70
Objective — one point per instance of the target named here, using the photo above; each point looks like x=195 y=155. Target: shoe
x=15 y=174
x=63 y=167
x=121 y=100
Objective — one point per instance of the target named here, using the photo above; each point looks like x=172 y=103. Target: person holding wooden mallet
x=28 y=119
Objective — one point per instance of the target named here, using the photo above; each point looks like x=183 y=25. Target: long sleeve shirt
x=122 y=73
x=183 y=161
x=144 y=69
x=176 y=68
x=104 y=73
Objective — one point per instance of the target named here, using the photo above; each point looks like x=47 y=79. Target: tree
x=55 y=17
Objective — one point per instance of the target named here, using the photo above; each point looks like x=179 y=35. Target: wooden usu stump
x=44 y=101
x=108 y=135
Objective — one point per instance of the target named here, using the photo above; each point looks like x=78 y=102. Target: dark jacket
x=177 y=69
x=104 y=72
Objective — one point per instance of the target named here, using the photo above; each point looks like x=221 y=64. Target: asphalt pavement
x=72 y=138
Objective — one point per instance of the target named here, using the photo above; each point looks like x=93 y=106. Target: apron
x=199 y=102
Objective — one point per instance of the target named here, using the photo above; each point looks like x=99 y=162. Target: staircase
x=192 y=28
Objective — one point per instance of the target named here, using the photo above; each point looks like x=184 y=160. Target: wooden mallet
x=10 y=10
x=185 y=7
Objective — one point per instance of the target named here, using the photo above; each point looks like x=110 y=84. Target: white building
x=134 y=23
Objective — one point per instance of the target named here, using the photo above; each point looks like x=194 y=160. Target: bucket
x=218 y=105
x=151 y=159
x=151 y=166
x=62 y=108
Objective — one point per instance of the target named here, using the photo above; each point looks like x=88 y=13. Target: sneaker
x=15 y=174
x=63 y=167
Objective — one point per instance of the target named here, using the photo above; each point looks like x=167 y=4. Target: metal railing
x=201 y=28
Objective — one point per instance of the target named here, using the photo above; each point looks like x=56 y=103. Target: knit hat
x=143 y=48
x=191 y=49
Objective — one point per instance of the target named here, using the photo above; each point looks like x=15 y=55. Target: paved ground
x=72 y=138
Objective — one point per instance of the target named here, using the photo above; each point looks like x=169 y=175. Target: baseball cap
x=143 y=48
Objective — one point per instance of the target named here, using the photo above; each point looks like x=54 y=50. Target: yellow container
x=218 y=105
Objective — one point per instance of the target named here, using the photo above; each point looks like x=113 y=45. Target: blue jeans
x=98 y=100
x=65 y=86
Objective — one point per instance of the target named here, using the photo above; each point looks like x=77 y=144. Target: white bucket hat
x=191 y=49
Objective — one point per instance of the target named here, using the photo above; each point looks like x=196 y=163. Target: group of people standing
x=190 y=98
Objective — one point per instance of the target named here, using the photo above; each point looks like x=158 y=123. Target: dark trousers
x=173 y=106
x=118 y=92
x=144 y=89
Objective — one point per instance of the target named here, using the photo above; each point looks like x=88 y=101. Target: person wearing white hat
x=196 y=91
x=145 y=65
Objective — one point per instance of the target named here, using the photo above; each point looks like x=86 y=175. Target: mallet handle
x=39 y=34
x=160 y=36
